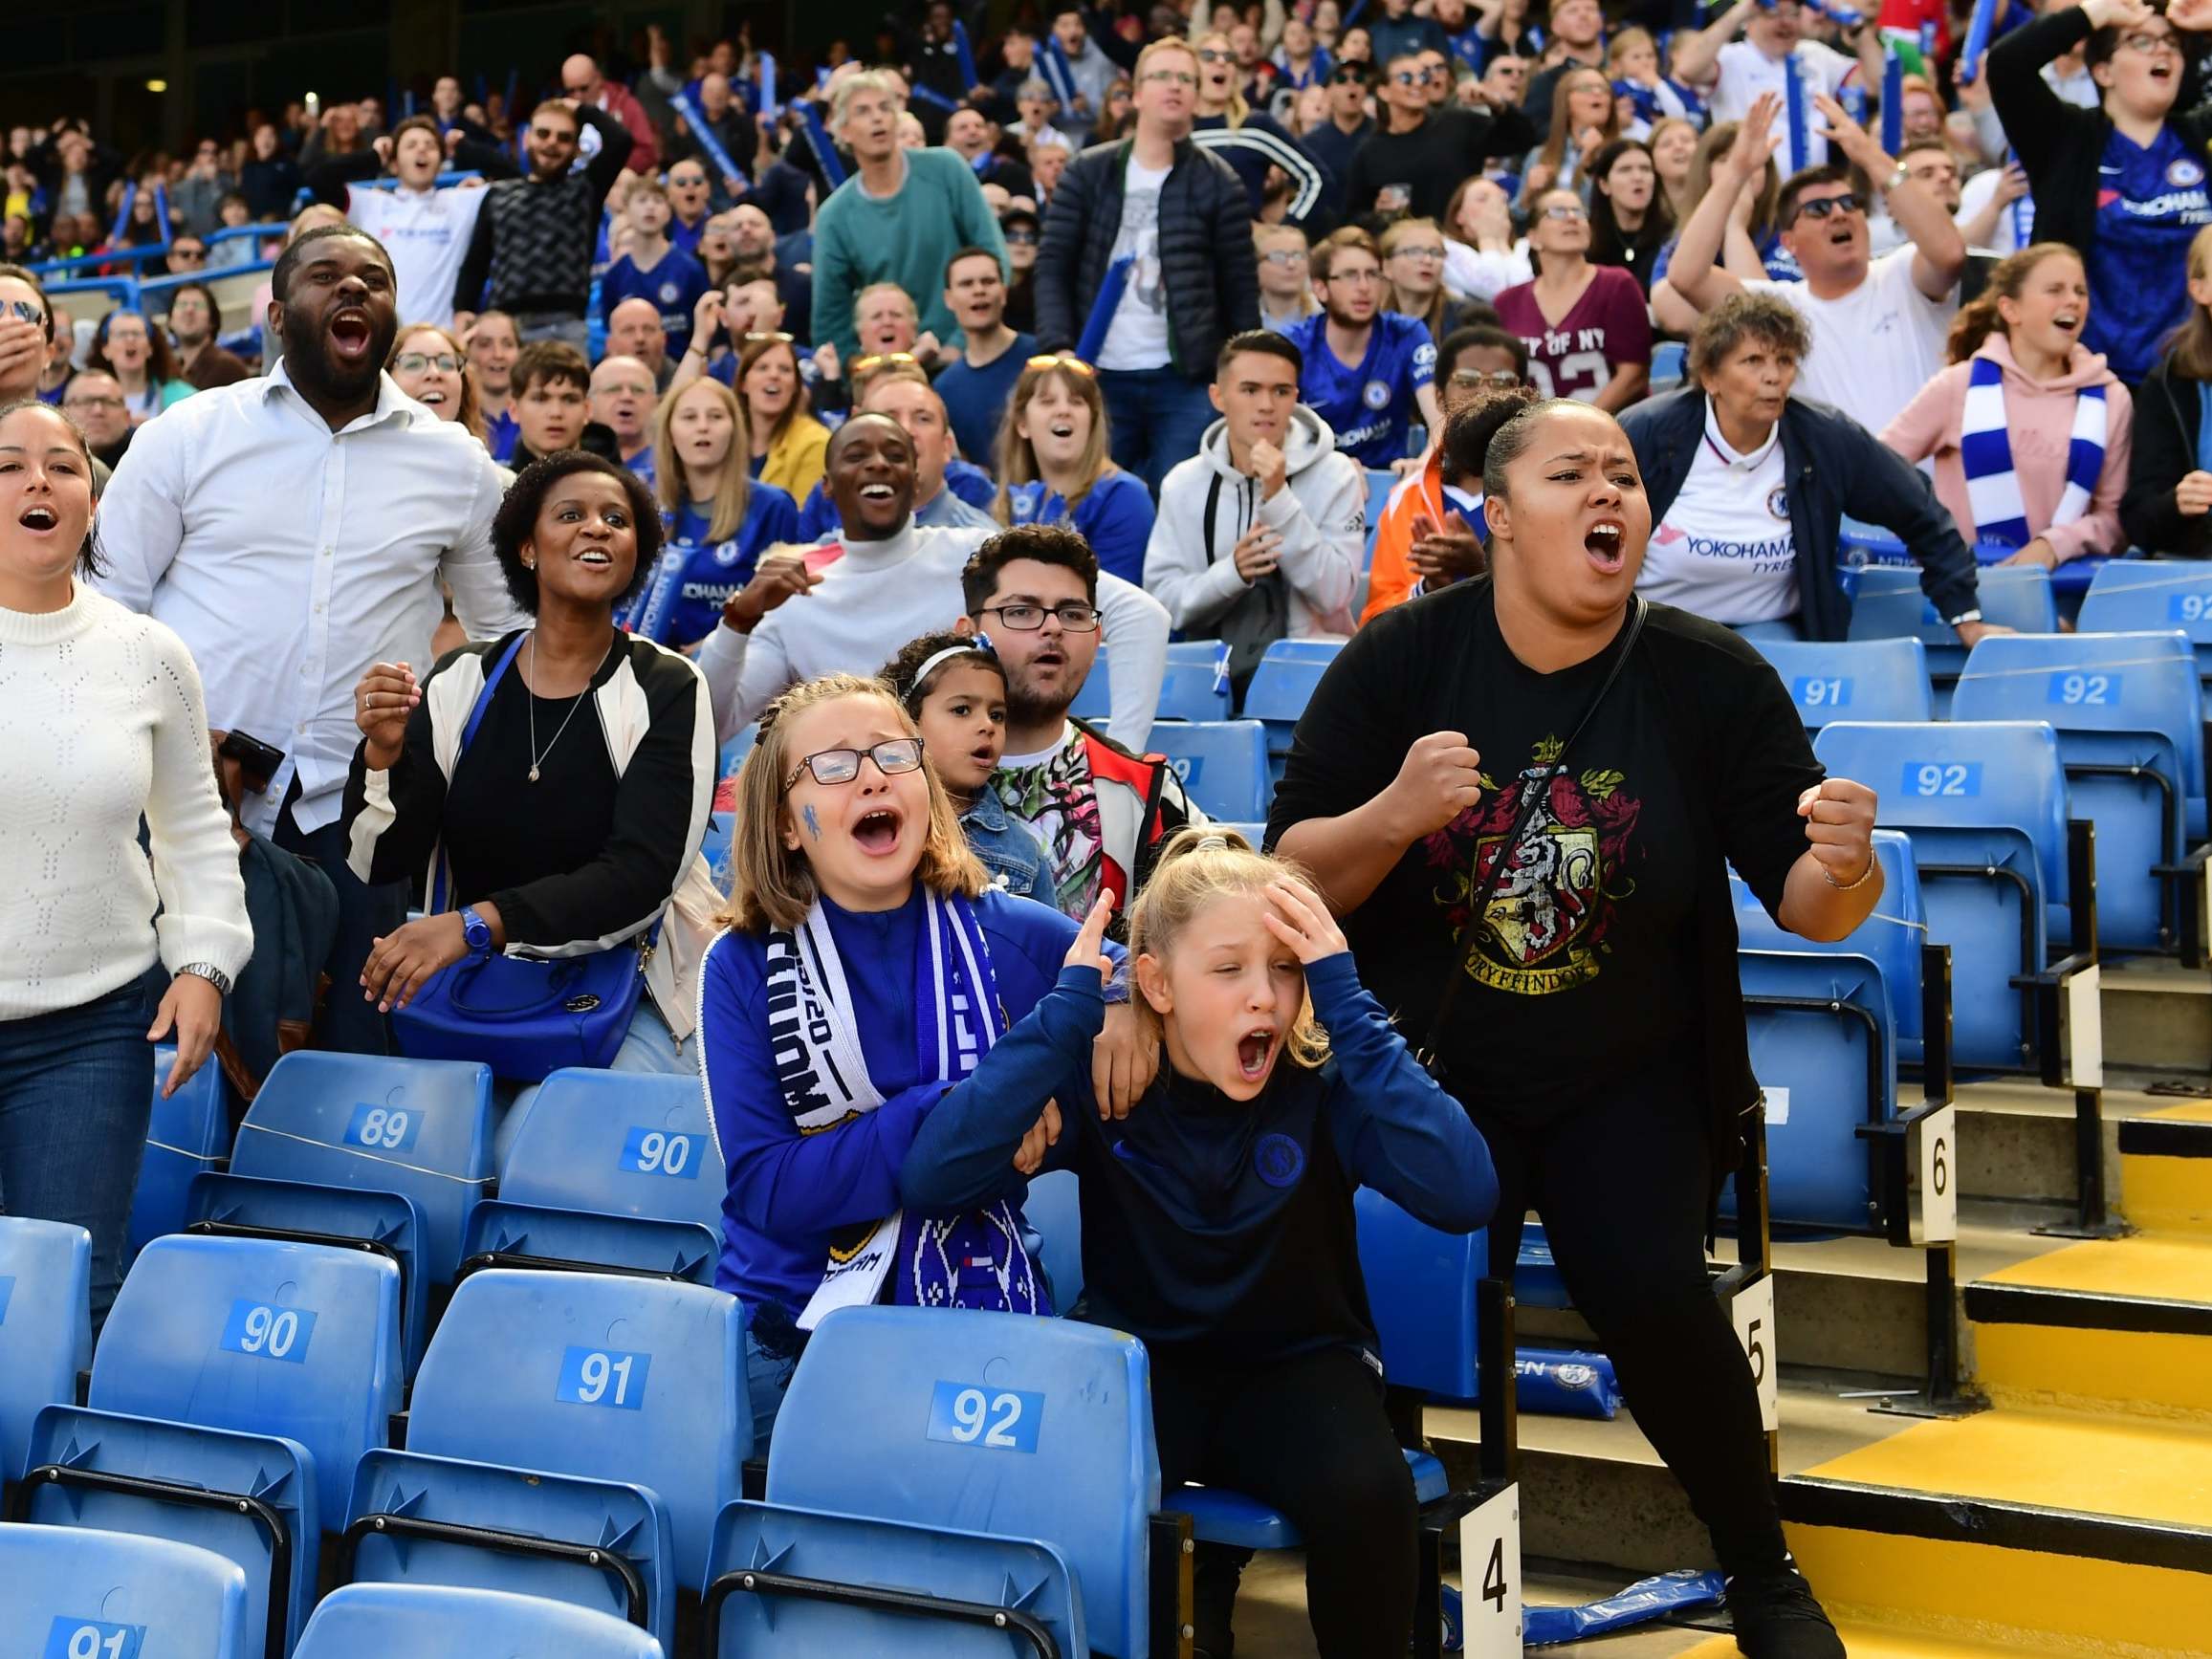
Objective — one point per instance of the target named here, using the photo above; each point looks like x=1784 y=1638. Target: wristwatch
x=1896 y=178
x=477 y=932
x=211 y=974
x=1972 y=616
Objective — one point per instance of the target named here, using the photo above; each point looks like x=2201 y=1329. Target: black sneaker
x=1777 y=1617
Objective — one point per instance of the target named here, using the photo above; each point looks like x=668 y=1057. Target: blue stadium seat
x=602 y=1376
x=1094 y=701
x=1283 y=687
x=620 y=1144
x=419 y=1127
x=1670 y=362
x=2130 y=715
x=386 y=1224
x=1222 y=764
x=45 y=1325
x=66 y=1592
x=1054 y=1208
x=1196 y=684
x=605 y=1545
x=1986 y=805
x=187 y=1134
x=423 y=1622
x=1891 y=605
x=263 y=1336
x=797 y=1581
x=1824 y=1049
x=733 y=752
x=986 y=1423
x=1254 y=833
x=1381 y=481
x=1852 y=679
x=2130 y=595
x=1892 y=935
x=532 y=1235
x=250 y=1498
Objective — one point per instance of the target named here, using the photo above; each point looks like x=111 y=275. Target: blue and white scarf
x=973 y=1260
x=1993 y=487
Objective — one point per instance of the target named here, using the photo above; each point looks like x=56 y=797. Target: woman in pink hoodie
x=2028 y=429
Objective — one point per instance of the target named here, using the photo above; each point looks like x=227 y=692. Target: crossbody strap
x=1429 y=1051
x=441 y=880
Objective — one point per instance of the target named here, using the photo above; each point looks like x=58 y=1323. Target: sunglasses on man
x=1821 y=207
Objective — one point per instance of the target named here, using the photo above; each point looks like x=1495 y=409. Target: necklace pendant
x=534 y=774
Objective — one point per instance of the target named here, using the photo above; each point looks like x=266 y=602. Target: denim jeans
x=767 y=1378
x=647 y=1046
x=1154 y=419
x=348 y=1023
x=77 y=1090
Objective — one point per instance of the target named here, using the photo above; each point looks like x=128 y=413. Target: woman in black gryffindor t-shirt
x=1597 y=1036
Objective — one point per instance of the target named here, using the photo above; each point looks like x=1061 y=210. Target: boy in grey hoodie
x=1260 y=535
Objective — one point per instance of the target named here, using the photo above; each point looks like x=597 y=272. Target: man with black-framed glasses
x=1412 y=164
x=1100 y=811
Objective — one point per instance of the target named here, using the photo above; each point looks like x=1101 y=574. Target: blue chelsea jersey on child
x=2151 y=203
x=1371 y=403
x=672 y=287
x=681 y=600
x=1115 y=517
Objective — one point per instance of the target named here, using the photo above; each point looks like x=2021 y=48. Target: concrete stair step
x=2158 y=1014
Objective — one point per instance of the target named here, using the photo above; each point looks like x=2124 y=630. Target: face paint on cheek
x=813 y=824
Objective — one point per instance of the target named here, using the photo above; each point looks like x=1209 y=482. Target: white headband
x=979 y=644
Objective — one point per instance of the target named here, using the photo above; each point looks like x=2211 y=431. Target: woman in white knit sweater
x=101 y=723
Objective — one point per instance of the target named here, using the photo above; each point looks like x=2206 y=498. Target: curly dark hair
x=516 y=520
x=902 y=672
x=1046 y=543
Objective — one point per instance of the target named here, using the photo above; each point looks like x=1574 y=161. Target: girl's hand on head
x=1302 y=921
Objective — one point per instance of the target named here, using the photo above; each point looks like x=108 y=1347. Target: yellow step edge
x=2057 y=1367
x=2014 y=1601
x=1888 y=1642
x=2170 y=1194
x=2187 y=1112
x=2168 y=1267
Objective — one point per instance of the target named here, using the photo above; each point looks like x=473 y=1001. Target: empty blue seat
x=263 y=1336
x=2130 y=715
x=600 y=1544
x=603 y=1376
x=987 y=1423
x=250 y=1498
x=421 y=1127
x=45 y=1325
x=1824 y=1049
x=2130 y=596
x=1890 y=606
x=1195 y=685
x=1381 y=481
x=422 y=1622
x=1986 y=805
x=620 y=1143
x=67 y=1593
x=796 y=1581
x=187 y=1134
x=386 y=1224
x=1852 y=679
x=533 y=1236
x=1281 y=687
x=1222 y=764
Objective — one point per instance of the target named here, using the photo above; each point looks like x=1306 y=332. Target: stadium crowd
x=572 y=443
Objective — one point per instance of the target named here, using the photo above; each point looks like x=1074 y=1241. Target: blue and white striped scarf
x=1985 y=448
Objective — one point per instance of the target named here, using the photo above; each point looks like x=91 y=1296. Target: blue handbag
x=524 y=1016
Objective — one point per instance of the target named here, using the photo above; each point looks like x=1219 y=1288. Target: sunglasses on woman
x=753 y=337
x=1061 y=360
x=876 y=359
x=835 y=766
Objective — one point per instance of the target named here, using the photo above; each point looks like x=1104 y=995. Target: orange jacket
x=1391 y=576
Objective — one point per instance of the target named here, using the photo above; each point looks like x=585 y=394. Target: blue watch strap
x=476 y=931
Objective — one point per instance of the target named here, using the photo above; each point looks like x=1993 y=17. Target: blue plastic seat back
x=1094 y=698
x=1223 y=764
x=733 y=755
x=1890 y=606
x=187 y=1134
x=564 y=1508
x=2130 y=595
x=267 y=1469
x=1852 y=679
x=2128 y=710
x=984 y=1422
x=418 y=1126
x=1381 y=481
x=1670 y=361
x=1022 y=1574
x=68 y=1591
x=1823 y=1074
x=1974 y=795
x=1421 y=1293
x=1892 y=935
x=263 y=1336
x=390 y=1221
x=657 y=1249
x=1195 y=685
x=435 y=1621
x=619 y=1143
x=45 y=1325
x=598 y=1375
x=1054 y=1208
x=1281 y=688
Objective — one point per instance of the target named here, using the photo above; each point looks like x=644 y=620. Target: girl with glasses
x=1414 y=276
x=136 y=353
x=1285 y=290
x=1586 y=328
x=1054 y=466
x=431 y=366
x=854 y=897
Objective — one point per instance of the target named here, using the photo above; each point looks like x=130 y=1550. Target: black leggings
x=1310 y=1437
x=1621 y=1186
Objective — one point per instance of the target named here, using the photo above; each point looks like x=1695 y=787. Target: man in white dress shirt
x=294 y=529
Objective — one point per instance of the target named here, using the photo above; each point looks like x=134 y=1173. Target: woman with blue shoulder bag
x=553 y=786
